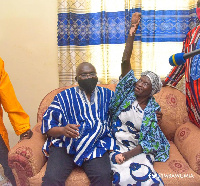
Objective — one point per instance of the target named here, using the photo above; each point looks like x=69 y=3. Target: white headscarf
x=155 y=81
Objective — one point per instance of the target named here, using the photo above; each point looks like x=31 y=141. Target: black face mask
x=88 y=84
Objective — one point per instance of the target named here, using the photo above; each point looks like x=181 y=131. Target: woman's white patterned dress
x=137 y=170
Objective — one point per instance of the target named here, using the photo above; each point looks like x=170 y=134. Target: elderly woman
x=139 y=139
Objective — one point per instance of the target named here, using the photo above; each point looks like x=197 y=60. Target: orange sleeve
x=18 y=117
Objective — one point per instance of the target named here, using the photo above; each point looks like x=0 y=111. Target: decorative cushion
x=26 y=158
x=174 y=110
x=176 y=171
x=186 y=139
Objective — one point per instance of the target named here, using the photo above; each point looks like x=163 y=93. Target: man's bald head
x=85 y=67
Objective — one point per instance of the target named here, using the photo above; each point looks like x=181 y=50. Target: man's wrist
x=61 y=131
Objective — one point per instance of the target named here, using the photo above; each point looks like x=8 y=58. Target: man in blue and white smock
x=77 y=127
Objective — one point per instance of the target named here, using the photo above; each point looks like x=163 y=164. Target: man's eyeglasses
x=86 y=75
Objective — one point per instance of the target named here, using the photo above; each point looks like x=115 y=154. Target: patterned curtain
x=96 y=31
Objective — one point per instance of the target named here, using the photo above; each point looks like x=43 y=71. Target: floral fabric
x=151 y=138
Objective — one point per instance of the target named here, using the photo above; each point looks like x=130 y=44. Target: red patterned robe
x=191 y=69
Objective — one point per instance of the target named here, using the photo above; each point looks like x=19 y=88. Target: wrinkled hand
x=71 y=130
x=26 y=135
x=159 y=117
x=119 y=158
x=135 y=20
x=127 y=155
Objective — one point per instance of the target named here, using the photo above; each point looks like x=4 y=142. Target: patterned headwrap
x=155 y=81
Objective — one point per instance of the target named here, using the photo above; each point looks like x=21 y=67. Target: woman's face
x=143 y=87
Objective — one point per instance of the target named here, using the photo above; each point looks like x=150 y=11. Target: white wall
x=28 y=46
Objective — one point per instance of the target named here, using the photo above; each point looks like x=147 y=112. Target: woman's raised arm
x=126 y=65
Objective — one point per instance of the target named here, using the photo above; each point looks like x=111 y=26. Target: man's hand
x=134 y=22
x=71 y=130
x=26 y=135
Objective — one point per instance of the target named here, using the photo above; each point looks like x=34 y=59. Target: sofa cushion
x=187 y=141
x=173 y=107
x=76 y=178
x=176 y=171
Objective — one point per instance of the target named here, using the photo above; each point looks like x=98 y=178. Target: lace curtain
x=96 y=31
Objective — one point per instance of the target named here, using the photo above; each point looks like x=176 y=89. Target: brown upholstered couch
x=182 y=168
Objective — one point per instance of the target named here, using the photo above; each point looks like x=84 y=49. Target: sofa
x=182 y=168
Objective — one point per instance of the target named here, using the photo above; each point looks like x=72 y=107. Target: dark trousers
x=60 y=165
x=4 y=161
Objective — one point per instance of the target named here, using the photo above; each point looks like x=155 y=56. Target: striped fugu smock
x=71 y=106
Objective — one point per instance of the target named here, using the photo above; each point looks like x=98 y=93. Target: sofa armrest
x=188 y=143
x=26 y=158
